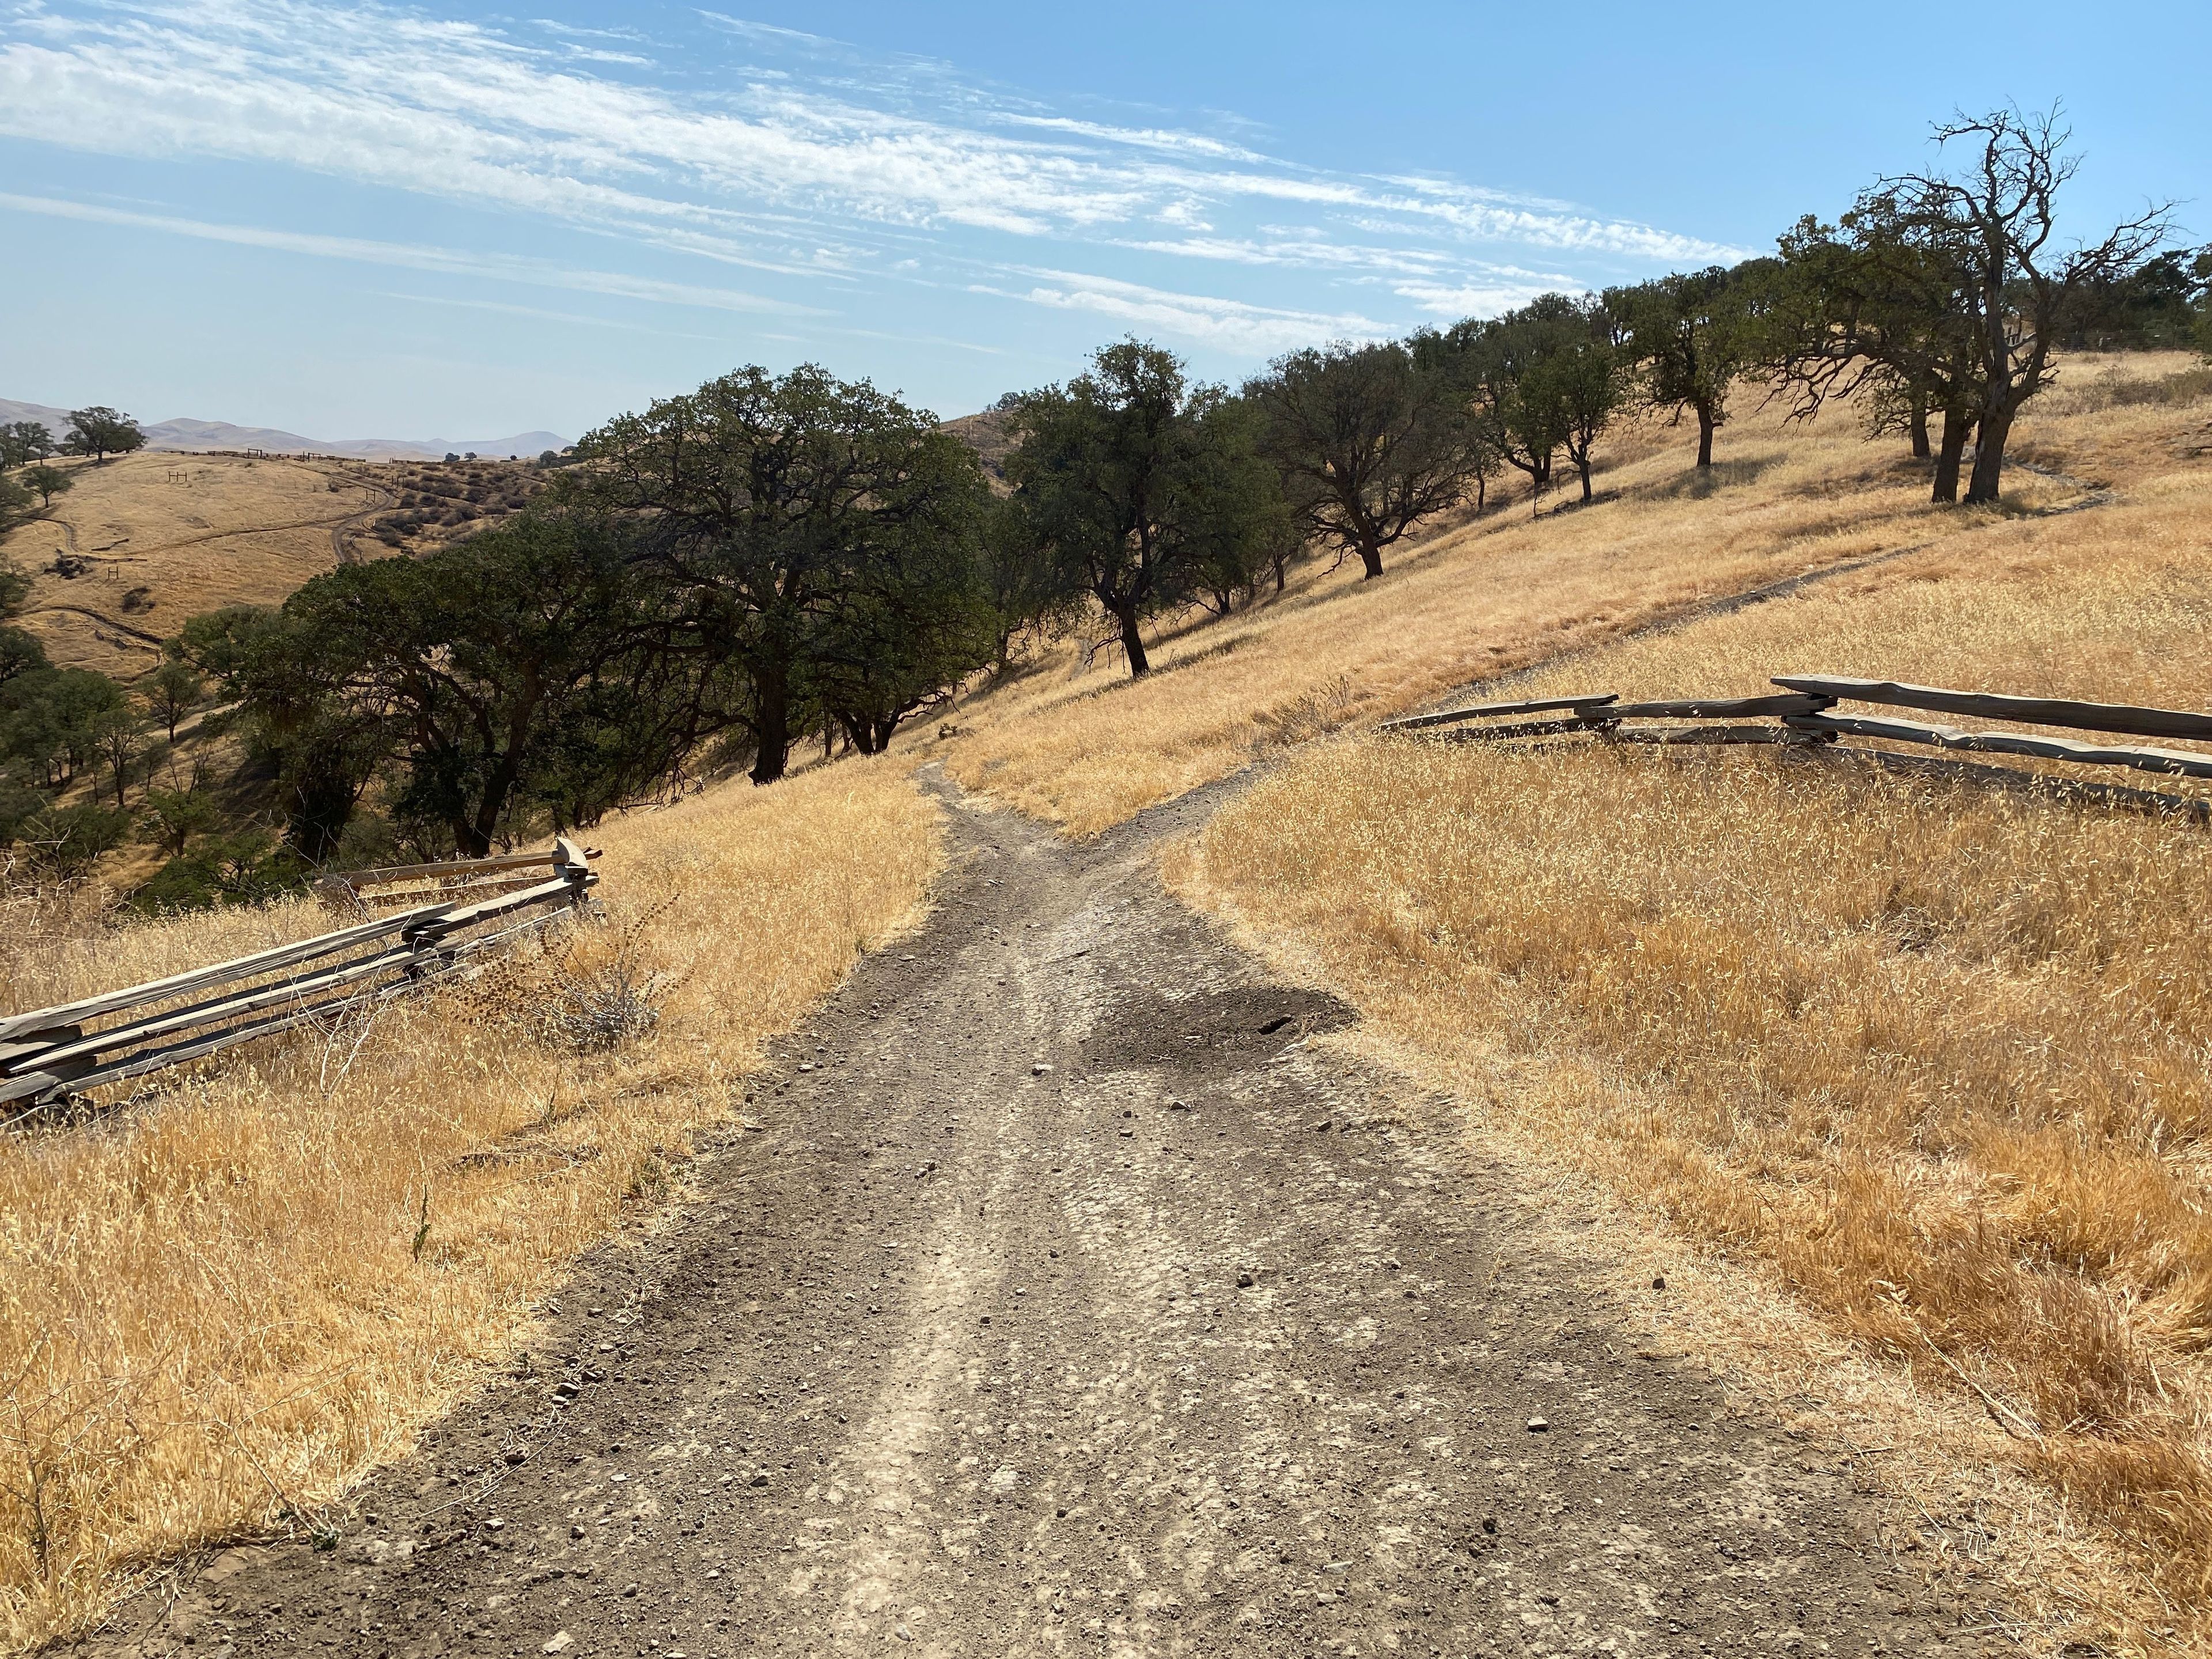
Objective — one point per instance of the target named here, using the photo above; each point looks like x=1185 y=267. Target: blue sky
x=368 y=220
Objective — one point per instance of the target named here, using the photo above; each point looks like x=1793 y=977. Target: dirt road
x=1068 y=1300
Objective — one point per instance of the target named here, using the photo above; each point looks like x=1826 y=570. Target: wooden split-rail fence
x=446 y=912
x=1804 y=715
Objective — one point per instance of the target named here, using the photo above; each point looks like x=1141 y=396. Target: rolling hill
x=188 y=433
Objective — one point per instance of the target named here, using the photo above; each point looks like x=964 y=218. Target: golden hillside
x=1076 y=742
x=1914 y=1069
x=1904 y=1083
x=140 y=543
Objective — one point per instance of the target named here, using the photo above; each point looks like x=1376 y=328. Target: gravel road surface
x=1066 y=1298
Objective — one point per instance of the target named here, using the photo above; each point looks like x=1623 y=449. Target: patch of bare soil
x=1066 y=1300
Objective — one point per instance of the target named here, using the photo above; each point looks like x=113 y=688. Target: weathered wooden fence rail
x=48 y=1054
x=1804 y=717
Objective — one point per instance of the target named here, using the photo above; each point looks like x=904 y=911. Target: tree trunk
x=1988 y=457
x=1132 y=642
x=1371 y=559
x=772 y=693
x=1705 y=424
x=1957 y=428
x=884 y=729
x=1583 y=467
x=1916 y=424
x=1480 y=492
x=493 y=802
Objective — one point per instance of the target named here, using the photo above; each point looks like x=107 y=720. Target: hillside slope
x=140 y=544
x=1915 y=1070
x=143 y=542
x=1074 y=741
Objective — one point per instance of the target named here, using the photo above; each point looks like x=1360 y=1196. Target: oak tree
x=100 y=432
x=767 y=502
x=1368 y=440
x=1130 y=479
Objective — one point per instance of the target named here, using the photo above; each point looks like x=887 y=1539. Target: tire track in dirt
x=1070 y=1299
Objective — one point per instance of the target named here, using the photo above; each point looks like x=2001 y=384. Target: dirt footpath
x=1068 y=1301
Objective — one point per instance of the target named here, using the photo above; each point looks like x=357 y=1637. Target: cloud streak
x=881 y=171
x=415 y=257
x=1234 y=325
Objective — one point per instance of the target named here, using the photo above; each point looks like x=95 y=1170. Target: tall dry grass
x=235 y=1298
x=1076 y=744
x=1939 y=1059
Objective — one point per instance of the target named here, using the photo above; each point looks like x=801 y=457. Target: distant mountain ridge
x=187 y=434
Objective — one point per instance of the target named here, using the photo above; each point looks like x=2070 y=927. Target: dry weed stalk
x=587 y=985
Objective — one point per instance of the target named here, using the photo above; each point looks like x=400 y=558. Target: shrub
x=64 y=841
x=249 y=867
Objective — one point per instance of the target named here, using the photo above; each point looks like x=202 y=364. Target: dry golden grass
x=1084 y=747
x=1935 y=1058
x=195 y=532
x=220 y=1303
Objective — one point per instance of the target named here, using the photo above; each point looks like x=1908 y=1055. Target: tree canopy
x=1547 y=377
x=23 y=443
x=793 y=516
x=1946 y=295
x=528 y=666
x=1132 y=481
x=1369 y=441
x=1690 y=336
x=100 y=432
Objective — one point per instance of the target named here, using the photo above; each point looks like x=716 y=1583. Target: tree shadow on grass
x=1698 y=483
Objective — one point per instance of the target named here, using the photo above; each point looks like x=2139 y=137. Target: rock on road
x=1068 y=1300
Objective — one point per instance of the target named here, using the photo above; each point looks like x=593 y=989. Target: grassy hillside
x=253 y=1295
x=1928 y=1066
x=140 y=543
x=1928 y=1061
x=1075 y=741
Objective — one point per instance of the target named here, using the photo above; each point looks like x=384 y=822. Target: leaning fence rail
x=47 y=1054
x=1805 y=717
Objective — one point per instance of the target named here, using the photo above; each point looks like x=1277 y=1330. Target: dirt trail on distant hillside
x=1069 y=1300
x=343 y=531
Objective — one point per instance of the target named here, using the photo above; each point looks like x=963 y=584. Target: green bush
x=248 y=867
x=65 y=839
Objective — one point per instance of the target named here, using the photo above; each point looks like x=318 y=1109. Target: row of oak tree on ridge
x=771 y=557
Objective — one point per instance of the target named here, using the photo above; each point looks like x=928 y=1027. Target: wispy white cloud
x=1476 y=299
x=458 y=109
x=1232 y=324
x=802 y=158
x=752 y=30
x=536 y=313
x=506 y=268
x=1155 y=139
x=1311 y=251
